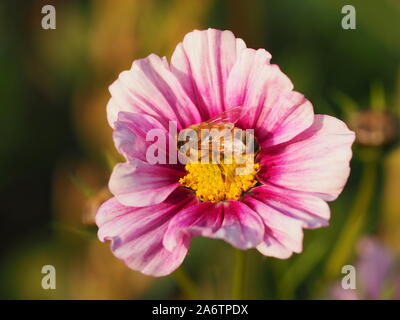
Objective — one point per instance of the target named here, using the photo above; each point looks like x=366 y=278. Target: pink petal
x=231 y=220
x=270 y=106
x=150 y=87
x=310 y=209
x=272 y=247
x=136 y=233
x=202 y=219
x=283 y=234
x=202 y=63
x=242 y=227
x=140 y=184
x=315 y=161
x=289 y=115
x=130 y=135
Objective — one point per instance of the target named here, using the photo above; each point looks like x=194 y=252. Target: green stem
x=187 y=286
x=378 y=101
x=356 y=218
x=238 y=275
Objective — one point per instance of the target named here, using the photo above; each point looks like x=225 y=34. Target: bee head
x=251 y=143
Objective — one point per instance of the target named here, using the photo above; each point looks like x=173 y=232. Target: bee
x=217 y=139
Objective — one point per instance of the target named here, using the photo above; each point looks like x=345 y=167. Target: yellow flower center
x=221 y=181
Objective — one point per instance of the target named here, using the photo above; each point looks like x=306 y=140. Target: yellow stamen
x=215 y=182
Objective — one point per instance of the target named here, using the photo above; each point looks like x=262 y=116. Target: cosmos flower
x=377 y=274
x=158 y=208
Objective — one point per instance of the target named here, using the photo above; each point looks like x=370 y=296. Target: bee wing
x=232 y=116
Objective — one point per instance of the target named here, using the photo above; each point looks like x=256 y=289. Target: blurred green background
x=56 y=149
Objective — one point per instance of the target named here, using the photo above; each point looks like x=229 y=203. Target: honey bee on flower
x=277 y=181
x=216 y=145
